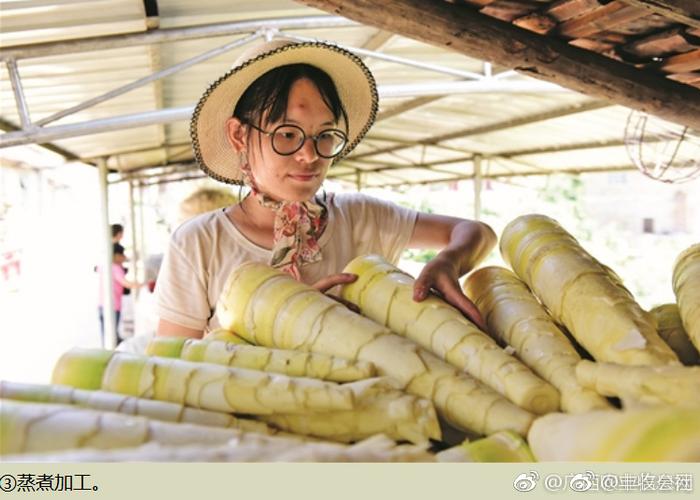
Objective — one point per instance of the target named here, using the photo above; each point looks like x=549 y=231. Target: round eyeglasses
x=287 y=139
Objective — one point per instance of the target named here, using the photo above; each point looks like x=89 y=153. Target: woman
x=276 y=122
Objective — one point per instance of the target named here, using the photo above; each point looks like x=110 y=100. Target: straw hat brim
x=355 y=84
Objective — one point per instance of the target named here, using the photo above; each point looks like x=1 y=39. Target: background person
x=119 y=283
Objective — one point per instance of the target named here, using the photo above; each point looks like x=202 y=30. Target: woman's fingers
x=422 y=286
x=325 y=284
x=346 y=303
x=450 y=292
x=466 y=306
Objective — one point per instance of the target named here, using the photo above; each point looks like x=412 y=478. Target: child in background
x=120 y=283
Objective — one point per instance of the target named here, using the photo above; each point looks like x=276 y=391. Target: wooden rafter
x=600 y=19
x=682 y=11
x=462 y=29
x=673 y=41
x=682 y=63
x=561 y=10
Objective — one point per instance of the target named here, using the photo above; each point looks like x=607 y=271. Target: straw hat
x=353 y=80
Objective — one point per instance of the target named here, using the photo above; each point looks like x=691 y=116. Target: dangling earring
x=242 y=159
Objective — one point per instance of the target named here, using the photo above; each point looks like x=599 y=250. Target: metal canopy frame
x=361 y=164
x=36 y=132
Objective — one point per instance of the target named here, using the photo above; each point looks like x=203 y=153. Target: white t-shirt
x=206 y=249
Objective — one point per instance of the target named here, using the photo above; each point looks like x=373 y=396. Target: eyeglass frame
x=314 y=138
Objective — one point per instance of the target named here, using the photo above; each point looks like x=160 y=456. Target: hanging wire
x=661 y=150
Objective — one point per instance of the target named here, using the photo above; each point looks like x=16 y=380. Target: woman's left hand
x=325 y=284
x=442 y=275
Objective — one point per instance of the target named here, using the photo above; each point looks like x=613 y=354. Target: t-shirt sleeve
x=181 y=294
x=381 y=226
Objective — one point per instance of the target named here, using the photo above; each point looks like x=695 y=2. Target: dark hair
x=117 y=249
x=116 y=229
x=268 y=95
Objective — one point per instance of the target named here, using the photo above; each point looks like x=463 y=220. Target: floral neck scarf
x=298 y=226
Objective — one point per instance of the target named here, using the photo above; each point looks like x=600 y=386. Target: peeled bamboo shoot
x=224 y=335
x=651 y=385
x=502 y=446
x=248 y=447
x=686 y=285
x=642 y=435
x=385 y=294
x=111 y=401
x=670 y=326
x=380 y=409
x=39 y=427
x=292 y=363
x=200 y=385
x=267 y=307
x=582 y=294
x=515 y=317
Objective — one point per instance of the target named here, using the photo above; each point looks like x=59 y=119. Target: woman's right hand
x=325 y=284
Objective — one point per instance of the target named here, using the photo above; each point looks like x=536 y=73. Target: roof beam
x=462 y=29
x=378 y=40
x=572 y=171
x=407 y=106
x=399 y=166
x=6 y=126
x=681 y=11
x=494 y=127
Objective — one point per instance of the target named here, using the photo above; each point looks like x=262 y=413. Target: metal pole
x=142 y=231
x=90 y=127
x=477 y=187
x=110 y=334
x=158 y=172
x=148 y=79
x=469 y=75
x=171 y=35
x=134 y=246
x=485 y=86
x=20 y=100
x=177 y=179
x=56 y=132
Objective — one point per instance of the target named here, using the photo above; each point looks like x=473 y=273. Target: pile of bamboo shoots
x=569 y=368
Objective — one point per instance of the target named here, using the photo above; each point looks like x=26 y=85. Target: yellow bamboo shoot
x=199 y=385
x=686 y=285
x=641 y=435
x=582 y=294
x=381 y=409
x=385 y=294
x=670 y=326
x=111 y=401
x=292 y=363
x=267 y=307
x=504 y=446
x=247 y=447
x=515 y=317
x=649 y=385
x=39 y=427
